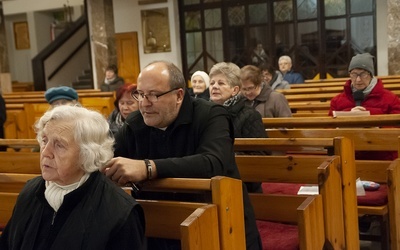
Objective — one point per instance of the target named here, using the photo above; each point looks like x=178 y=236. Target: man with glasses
x=364 y=92
x=174 y=135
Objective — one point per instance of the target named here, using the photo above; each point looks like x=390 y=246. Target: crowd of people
x=158 y=129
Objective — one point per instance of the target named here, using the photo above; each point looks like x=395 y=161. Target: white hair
x=90 y=130
x=285 y=58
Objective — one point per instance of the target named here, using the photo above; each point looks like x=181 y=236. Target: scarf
x=119 y=121
x=108 y=81
x=55 y=193
x=231 y=101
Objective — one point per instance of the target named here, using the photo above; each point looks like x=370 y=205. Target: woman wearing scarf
x=124 y=105
x=224 y=89
x=364 y=92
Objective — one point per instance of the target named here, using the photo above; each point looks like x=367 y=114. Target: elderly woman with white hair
x=200 y=82
x=72 y=205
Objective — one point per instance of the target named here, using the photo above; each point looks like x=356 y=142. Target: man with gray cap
x=364 y=92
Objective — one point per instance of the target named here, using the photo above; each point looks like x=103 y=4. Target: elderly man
x=285 y=66
x=175 y=135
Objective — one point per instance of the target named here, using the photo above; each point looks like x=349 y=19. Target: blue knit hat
x=57 y=93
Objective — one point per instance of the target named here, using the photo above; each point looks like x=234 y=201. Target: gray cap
x=363 y=61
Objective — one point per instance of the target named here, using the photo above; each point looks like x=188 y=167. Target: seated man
x=175 y=135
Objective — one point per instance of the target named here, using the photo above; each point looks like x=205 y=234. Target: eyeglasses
x=138 y=96
x=249 y=89
x=362 y=75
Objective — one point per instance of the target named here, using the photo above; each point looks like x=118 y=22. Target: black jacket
x=198 y=144
x=97 y=215
x=247 y=122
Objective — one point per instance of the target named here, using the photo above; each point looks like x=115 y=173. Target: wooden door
x=128 y=56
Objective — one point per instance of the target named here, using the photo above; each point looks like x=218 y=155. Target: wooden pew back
x=305 y=169
x=341 y=146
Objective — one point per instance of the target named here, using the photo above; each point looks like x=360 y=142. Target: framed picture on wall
x=21 y=35
x=155 y=30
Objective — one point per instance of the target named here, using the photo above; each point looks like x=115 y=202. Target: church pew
x=329 y=89
x=225 y=192
x=194 y=224
x=364 y=139
x=303 y=169
x=309 y=210
x=340 y=146
x=333 y=122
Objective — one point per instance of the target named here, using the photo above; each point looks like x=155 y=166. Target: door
x=128 y=56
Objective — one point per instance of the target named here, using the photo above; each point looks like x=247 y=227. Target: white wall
x=23 y=6
x=127 y=19
x=39 y=18
x=382 y=38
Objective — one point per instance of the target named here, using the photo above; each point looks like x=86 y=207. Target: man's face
x=284 y=66
x=154 y=80
x=360 y=78
x=59 y=154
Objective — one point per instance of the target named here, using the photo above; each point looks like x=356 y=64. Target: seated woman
x=224 y=90
x=62 y=95
x=272 y=77
x=112 y=81
x=124 y=105
x=72 y=205
x=261 y=96
x=200 y=83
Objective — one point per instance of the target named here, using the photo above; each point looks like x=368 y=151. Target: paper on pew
x=350 y=113
x=308 y=190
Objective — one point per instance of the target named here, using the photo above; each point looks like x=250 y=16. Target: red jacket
x=379 y=101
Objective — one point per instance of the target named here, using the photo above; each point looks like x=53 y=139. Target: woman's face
x=250 y=90
x=127 y=105
x=110 y=75
x=198 y=85
x=267 y=77
x=220 y=90
x=59 y=154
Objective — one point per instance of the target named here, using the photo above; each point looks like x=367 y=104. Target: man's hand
x=123 y=170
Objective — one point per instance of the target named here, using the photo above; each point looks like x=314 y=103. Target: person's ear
x=236 y=90
x=180 y=94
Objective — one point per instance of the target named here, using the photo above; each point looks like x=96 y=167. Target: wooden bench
x=307 y=208
x=332 y=122
x=226 y=193
x=194 y=224
x=364 y=139
x=340 y=146
x=320 y=170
